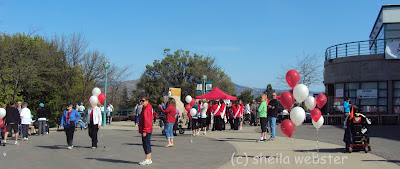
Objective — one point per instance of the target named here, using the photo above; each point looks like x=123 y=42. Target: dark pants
x=25 y=129
x=236 y=124
x=231 y=123
x=253 y=120
x=217 y=123
x=146 y=143
x=223 y=124
x=93 y=129
x=70 y=134
x=42 y=127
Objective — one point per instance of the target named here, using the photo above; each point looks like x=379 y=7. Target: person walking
x=217 y=116
x=273 y=109
x=195 y=121
x=93 y=121
x=241 y=119
x=230 y=115
x=12 y=121
x=346 y=106
x=203 y=116
x=223 y=114
x=138 y=111
x=26 y=120
x=169 y=121
x=145 y=129
x=253 y=109
x=42 y=114
x=236 y=115
x=262 y=114
x=68 y=120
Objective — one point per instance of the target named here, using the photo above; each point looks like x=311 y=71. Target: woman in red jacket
x=169 y=114
x=146 y=128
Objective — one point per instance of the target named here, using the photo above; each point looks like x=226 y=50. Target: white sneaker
x=146 y=162
x=240 y=129
x=24 y=139
x=16 y=142
x=69 y=147
x=205 y=133
x=198 y=133
x=48 y=132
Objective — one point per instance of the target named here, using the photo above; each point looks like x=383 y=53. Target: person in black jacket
x=12 y=120
x=272 y=114
x=42 y=114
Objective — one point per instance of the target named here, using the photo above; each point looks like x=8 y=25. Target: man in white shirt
x=110 y=109
x=26 y=120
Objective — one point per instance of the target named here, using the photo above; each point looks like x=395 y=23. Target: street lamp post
x=204 y=84
x=106 y=66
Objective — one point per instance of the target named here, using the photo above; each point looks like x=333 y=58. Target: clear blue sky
x=251 y=40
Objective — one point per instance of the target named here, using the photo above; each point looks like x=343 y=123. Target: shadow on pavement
x=61 y=147
x=393 y=161
x=326 y=150
x=135 y=144
x=113 y=160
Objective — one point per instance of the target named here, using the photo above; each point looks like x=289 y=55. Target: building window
x=396 y=97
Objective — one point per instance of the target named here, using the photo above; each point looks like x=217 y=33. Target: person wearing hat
x=42 y=114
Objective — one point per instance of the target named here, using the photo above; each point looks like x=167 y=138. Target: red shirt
x=235 y=109
x=241 y=109
x=209 y=110
x=146 y=119
x=169 y=114
x=69 y=114
x=215 y=107
x=221 y=109
x=91 y=117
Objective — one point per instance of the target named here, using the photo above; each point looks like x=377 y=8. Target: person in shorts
x=262 y=113
x=12 y=121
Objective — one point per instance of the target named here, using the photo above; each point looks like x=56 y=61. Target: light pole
x=106 y=66
x=204 y=84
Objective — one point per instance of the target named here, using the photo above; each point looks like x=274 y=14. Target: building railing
x=123 y=112
x=358 y=48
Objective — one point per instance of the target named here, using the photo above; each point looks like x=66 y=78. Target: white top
x=203 y=107
x=139 y=110
x=247 y=109
x=26 y=116
x=102 y=108
x=109 y=108
x=96 y=115
x=81 y=108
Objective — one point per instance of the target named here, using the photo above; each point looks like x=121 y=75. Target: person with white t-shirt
x=26 y=120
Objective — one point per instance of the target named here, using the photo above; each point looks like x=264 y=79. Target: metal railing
x=357 y=48
x=123 y=112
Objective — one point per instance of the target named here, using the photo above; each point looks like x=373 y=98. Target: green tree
x=269 y=91
x=124 y=102
x=183 y=70
x=246 y=96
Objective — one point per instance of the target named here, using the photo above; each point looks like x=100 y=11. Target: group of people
x=19 y=120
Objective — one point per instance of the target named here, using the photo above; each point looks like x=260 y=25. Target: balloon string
x=317 y=143
x=291 y=145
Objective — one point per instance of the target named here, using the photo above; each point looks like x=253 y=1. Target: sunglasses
x=142 y=100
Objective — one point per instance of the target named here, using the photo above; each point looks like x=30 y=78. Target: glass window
x=382 y=85
x=339 y=86
x=382 y=109
x=396 y=93
x=396 y=101
x=396 y=84
x=369 y=108
x=382 y=93
x=368 y=102
x=353 y=93
x=369 y=85
x=352 y=86
x=396 y=109
x=383 y=101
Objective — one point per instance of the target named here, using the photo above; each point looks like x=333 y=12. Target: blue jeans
x=146 y=143
x=272 y=124
x=161 y=122
x=168 y=130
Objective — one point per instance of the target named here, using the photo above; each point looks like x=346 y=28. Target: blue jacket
x=346 y=106
x=74 y=116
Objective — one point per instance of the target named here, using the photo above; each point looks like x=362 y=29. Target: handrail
x=357 y=48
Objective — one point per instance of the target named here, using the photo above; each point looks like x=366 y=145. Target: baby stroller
x=357 y=133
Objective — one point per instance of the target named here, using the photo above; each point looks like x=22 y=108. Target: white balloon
x=300 y=92
x=193 y=112
x=285 y=112
x=319 y=123
x=96 y=91
x=297 y=115
x=93 y=100
x=310 y=102
x=2 y=112
x=188 y=99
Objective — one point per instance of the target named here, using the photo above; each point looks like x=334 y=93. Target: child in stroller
x=357 y=132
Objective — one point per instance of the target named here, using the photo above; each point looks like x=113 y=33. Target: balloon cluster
x=190 y=104
x=97 y=97
x=300 y=93
x=2 y=115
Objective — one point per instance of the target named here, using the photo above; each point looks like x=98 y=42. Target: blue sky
x=250 y=40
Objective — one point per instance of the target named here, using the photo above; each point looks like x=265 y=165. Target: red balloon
x=102 y=98
x=1 y=123
x=188 y=107
x=278 y=97
x=321 y=100
x=292 y=78
x=192 y=103
x=287 y=127
x=287 y=100
x=315 y=114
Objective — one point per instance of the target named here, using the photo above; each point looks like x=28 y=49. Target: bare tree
x=309 y=68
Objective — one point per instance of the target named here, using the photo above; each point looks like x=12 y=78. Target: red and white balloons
x=101 y=98
x=315 y=115
x=287 y=100
x=188 y=99
x=300 y=92
x=193 y=112
x=318 y=123
x=2 y=112
x=310 y=103
x=321 y=100
x=93 y=100
x=96 y=91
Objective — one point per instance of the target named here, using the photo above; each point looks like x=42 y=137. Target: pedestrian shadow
x=324 y=150
x=136 y=144
x=393 y=161
x=55 y=147
x=112 y=160
x=236 y=140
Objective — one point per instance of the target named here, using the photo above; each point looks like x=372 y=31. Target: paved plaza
x=225 y=149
